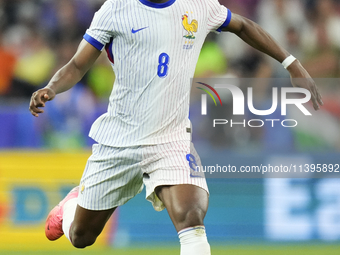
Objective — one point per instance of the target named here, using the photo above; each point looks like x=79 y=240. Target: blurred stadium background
x=41 y=159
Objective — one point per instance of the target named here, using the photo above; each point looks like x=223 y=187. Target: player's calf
x=81 y=237
x=188 y=217
x=87 y=226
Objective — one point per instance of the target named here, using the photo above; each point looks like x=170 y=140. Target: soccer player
x=144 y=138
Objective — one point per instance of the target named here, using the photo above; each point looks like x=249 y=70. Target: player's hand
x=301 y=78
x=39 y=98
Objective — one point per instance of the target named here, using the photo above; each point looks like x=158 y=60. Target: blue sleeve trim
x=98 y=45
x=226 y=22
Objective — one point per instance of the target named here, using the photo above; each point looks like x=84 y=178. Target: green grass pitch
x=307 y=249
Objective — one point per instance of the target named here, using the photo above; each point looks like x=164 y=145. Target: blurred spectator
x=284 y=20
x=245 y=8
x=278 y=16
x=7 y=64
x=65 y=20
x=243 y=60
x=211 y=61
x=68 y=118
x=321 y=40
x=36 y=61
x=8 y=12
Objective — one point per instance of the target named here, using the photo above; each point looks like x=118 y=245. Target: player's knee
x=81 y=237
x=190 y=217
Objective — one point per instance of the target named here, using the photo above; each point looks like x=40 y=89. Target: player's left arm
x=258 y=38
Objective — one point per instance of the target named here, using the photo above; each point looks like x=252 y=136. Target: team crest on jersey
x=190 y=28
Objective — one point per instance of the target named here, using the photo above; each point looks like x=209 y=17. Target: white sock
x=194 y=241
x=68 y=216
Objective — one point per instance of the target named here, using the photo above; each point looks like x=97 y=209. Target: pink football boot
x=53 y=226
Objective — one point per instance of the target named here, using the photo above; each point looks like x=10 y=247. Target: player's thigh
x=112 y=177
x=186 y=204
x=89 y=222
x=171 y=165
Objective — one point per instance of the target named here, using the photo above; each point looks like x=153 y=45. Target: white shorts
x=114 y=175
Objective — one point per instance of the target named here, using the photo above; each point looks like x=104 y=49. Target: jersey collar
x=157 y=5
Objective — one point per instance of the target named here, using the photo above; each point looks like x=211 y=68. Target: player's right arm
x=66 y=77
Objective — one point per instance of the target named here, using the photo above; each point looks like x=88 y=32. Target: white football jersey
x=154 y=49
